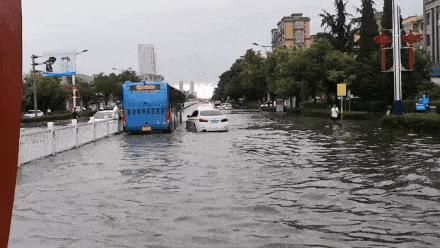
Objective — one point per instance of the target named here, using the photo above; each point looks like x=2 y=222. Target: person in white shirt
x=115 y=114
x=334 y=112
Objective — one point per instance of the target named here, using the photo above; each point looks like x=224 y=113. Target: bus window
x=143 y=111
x=139 y=111
x=148 y=111
x=128 y=111
x=162 y=111
x=157 y=111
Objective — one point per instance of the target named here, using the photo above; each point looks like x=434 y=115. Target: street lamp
x=34 y=82
x=263 y=46
x=74 y=80
x=122 y=70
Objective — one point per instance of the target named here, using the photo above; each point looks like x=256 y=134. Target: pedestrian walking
x=334 y=112
x=75 y=115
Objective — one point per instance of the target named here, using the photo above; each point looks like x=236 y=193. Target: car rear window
x=210 y=113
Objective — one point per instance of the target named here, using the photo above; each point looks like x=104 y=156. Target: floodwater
x=269 y=182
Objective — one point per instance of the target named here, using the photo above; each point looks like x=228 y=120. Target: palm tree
x=340 y=32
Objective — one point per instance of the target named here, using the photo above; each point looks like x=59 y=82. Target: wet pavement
x=268 y=182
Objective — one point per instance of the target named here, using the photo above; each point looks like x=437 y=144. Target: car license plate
x=214 y=121
x=146 y=129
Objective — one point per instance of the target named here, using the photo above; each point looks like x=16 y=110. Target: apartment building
x=414 y=24
x=293 y=32
x=431 y=12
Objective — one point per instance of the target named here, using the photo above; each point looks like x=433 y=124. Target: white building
x=147 y=60
x=191 y=87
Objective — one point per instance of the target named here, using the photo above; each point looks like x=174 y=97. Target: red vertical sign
x=10 y=108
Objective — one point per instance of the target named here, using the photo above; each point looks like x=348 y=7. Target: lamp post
x=74 y=81
x=263 y=46
x=34 y=83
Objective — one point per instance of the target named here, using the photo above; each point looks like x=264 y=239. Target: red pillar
x=383 y=58
x=10 y=108
x=412 y=58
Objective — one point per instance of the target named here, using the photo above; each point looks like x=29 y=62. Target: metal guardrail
x=53 y=140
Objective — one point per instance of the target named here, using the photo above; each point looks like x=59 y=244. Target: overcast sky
x=194 y=39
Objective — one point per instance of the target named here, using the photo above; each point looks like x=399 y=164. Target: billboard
x=60 y=64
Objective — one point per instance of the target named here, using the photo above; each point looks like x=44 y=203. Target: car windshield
x=210 y=113
x=101 y=115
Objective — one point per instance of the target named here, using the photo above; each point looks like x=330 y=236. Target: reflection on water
x=269 y=182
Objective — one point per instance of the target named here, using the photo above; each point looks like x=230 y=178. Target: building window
x=299 y=36
x=428 y=18
x=299 y=25
x=428 y=40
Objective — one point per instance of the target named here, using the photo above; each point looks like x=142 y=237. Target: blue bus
x=149 y=107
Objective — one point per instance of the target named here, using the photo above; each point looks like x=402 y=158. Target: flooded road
x=268 y=182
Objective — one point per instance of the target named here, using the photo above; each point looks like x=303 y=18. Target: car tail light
x=225 y=120
x=203 y=120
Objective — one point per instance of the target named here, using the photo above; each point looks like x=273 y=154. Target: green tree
x=339 y=29
x=86 y=91
x=50 y=94
x=252 y=76
x=111 y=85
x=387 y=18
x=414 y=83
x=106 y=86
x=368 y=30
x=229 y=84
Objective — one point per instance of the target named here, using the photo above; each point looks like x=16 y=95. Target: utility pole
x=34 y=83
x=74 y=80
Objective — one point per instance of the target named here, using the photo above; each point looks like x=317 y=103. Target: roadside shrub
x=247 y=105
x=324 y=113
x=368 y=106
x=269 y=109
x=422 y=123
x=312 y=105
x=409 y=106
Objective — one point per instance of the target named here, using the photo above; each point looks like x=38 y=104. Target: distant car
x=266 y=104
x=207 y=120
x=227 y=106
x=224 y=106
x=31 y=114
x=104 y=115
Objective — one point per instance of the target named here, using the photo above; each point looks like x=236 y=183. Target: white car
x=31 y=114
x=104 y=115
x=228 y=106
x=225 y=106
x=207 y=120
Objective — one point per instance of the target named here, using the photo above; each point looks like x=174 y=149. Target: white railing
x=46 y=142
